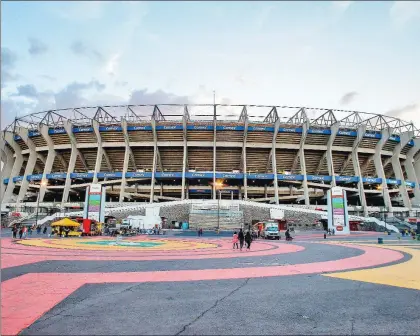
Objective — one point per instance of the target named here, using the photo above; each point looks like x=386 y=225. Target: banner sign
x=169 y=128
x=113 y=174
x=56 y=176
x=81 y=175
x=233 y=176
x=290 y=177
x=347 y=179
x=168 y=175
x=17 y=137
x=17 y=178
x=260 y=176
x=324 y=178
x=319 y=131
x=410 y=184
x=290 y=130
x=198 y=175
x=394 y=138
x=337 y=211
x=139 y=128
x=230 y=128
x=394 y=182
x=260 y=129
x=36 y=177
x=347 y=133
x=110 y=128
x=6 y=181
x=86 y=129
x=56 y=131
x=372 y=135
x=372 y=180
x=200 y=128
x=32 y=134
x=138 y=174
x=200 y=191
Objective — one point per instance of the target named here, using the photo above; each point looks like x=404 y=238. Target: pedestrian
x=38 y=229
x=241 y=238
x=329 y=232
x=14 y=231
x=25 y=231
x=20 y=233
x=248 y=240
x=199 y=232
x=235 y=240
x=45 y=230
x=333 y=232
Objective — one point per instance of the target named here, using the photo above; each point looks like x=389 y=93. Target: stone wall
x=178 y=213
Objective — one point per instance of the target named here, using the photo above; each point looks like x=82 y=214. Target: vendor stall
x=67 y=227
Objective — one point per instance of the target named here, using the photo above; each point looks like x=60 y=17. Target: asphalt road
x=294 y=305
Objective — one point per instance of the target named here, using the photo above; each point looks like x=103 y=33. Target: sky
x=362 y=56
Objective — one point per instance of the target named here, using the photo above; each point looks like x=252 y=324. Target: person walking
x=248 y=240
x=24 y=230
x=14 y=231
x=241 y=238
x=235 y=240
x=45 y=230
x=20 y=233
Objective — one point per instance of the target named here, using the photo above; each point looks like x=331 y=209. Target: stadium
x=276 y=155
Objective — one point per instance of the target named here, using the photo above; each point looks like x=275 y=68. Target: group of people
x=24 y=231
x=240 y=238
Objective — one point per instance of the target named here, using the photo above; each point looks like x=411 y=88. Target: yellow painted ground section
x=405 y=275
x=80 y=244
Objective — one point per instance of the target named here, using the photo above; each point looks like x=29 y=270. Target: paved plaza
x=171 y=285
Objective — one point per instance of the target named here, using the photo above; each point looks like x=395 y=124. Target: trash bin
x=380 y=240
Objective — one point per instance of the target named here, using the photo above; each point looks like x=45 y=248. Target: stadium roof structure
x=315 y=117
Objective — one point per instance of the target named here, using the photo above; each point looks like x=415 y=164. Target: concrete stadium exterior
x=158 y=153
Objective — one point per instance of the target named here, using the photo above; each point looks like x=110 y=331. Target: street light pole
x=218 y=211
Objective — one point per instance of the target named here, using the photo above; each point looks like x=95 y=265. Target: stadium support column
x=274 y=161
x=184 y=154
x=214 y=152
x=43 y=129
x=11 y=165
x=30 y=165
x=100 y=151
x=155 y=149
x=356 y=167
x=244 y=160
x=396 y=166
x=305 y=129
x=330 y=164
x=413 y=172
x=377 y=159
x=127 y=154
x=68 y=126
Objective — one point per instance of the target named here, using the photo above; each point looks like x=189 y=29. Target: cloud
x=73 y=94
x=80 y=10
x=157 y=97
x=8 y=64
x=112 y=64
x=26 y=91
x=50 y=78
x=400 y=111
x=78 y=47
x=262 y=17
x=348 y=98
x=341 y=7
x=403 y=12
x=37 y=47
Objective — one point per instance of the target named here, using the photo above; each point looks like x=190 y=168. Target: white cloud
x=111 y=66
x=341 y=6
x=403 y=12
x=81 y=10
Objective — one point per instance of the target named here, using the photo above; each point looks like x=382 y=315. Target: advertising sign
x=95 y=202
x=337 y=211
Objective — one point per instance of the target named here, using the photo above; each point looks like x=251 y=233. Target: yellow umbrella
x=65 y=222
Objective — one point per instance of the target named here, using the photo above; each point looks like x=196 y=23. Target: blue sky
x=345 y=55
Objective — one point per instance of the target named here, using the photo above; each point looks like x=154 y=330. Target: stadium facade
x=155 y=153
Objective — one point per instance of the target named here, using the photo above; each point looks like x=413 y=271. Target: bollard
x=380 y=240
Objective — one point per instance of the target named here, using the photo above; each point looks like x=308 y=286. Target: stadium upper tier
x=172 y=152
